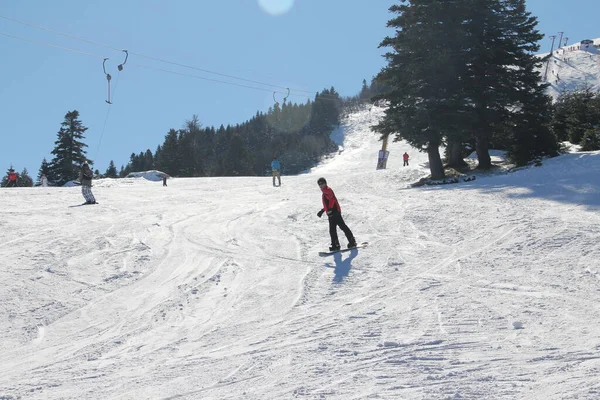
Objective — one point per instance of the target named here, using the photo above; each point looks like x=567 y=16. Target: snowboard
x=84 y=204
x=328 y=253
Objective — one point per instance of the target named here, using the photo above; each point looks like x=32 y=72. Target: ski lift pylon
x=284 y=99
x=108 y=78
x=120 y=66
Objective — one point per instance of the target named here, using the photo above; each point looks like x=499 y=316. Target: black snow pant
x=405 y=163
x=336 y=220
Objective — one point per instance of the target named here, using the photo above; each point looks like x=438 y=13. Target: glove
x=320 y=213
x=330 y=212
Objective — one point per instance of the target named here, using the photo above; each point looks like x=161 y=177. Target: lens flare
x=276 y=7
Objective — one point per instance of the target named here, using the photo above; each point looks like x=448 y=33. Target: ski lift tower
x=548 y=62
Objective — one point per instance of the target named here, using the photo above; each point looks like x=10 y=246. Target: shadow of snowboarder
x=342 y=267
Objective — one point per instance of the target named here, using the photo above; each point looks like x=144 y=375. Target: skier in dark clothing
x=332 y=207
x=86 y=183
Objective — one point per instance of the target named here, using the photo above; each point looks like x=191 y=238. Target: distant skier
x=86 y=184
x=44 y=180
x=332 y=207
x=275 y=167
x=405 y=158
x=12 y=178
x=164 y=179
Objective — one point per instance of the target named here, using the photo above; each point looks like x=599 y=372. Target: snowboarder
x=86 y=183
x=405 y=158
x=275 y=167
x=331 y=206
x=12 y=178
x=44 y=180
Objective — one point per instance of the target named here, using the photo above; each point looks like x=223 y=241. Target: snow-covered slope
x=213 y=289
x=573 y=67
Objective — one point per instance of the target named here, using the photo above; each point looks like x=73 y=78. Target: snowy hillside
x=572 y=67
x=213 y=288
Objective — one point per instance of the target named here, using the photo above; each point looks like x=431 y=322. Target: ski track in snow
x=213 y=288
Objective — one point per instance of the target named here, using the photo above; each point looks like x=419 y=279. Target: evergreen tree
x=425 y=72
x=168 y=158
x=189 y=144
x=44 y=169
x=239 y=160
x=24 y=180
x=503 y=82
x=591 y=140
x=365 y=91
x=69 y=153
x=575 y=113
x=148 y=160
x=111 y=171
x=122 y=173
x=5 y=177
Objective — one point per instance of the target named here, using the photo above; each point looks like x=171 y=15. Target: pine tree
x=69 y=153
x=503 y=84
x=168 y=158
x=424 y=73
x=111 y=171
x=575 y=113
x=365 y=91
x=240 y=162
x=44 y=169
x=591 y=140
x=531 y=113
x=24 y=179
x=5 y=177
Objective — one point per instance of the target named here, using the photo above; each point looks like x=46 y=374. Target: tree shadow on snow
x=342 y=266
x=570 y=178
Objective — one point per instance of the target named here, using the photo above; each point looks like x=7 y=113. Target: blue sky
x=304 y=44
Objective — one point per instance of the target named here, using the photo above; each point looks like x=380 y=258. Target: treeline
x=298 y=134
x=576 y=118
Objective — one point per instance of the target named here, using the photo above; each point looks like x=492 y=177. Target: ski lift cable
x=212 y=80
x=152 y=58
x=287 y=93
x=51 y=45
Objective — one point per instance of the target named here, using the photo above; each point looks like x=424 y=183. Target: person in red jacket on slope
x=331 y=206
x=12 y=178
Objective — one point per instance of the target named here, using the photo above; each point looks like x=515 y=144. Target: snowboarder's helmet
x=321 y=181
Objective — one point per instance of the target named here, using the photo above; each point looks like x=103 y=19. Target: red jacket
x=12 y=176
x=330 y=202
x=405 y=156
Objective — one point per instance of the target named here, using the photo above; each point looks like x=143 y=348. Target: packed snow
x=573 y=67
x=212 y=288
